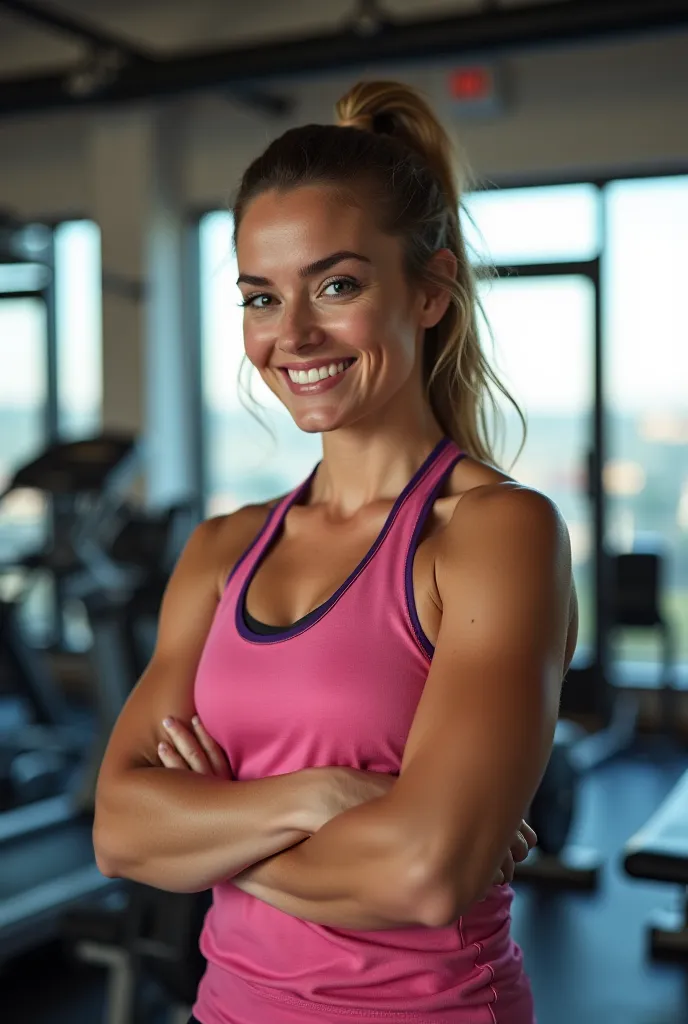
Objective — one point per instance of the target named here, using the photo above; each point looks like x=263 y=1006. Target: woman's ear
x=436 y=296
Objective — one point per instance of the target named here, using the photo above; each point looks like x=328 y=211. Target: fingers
x=523 y=842
x=187 y=747
x=508 y=868
x=529 y=835
x=519 y=849
x=170 y=758
x=213 y=751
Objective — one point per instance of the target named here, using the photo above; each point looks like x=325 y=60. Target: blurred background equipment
x=125 y=418
x=114 y=559
x=658 y=853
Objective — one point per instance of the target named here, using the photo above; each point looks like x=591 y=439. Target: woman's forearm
x=184 y=832
x=353 y=873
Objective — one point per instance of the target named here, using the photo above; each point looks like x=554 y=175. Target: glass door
x=543 y=346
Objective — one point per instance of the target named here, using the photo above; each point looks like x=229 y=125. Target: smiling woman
x=355 y=688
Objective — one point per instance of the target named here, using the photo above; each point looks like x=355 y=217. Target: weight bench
x=659 y=853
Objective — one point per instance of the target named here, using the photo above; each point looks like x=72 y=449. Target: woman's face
x=323 y=286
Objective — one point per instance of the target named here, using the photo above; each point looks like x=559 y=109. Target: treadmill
x=47 y=862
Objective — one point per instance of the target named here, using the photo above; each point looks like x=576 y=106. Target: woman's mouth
x=317 y=379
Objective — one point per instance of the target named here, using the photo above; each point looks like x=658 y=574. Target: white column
x=120 y=185
x=137 y=199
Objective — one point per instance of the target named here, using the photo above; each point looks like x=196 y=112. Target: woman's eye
x=260 y=301
x=342 y=286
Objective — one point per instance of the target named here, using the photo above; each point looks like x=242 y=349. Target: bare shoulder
x=487 y=500
x=223 y=539
x=496 y=521
x=507 y=546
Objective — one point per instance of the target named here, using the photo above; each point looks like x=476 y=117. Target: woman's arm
x=177 y=830
x=478 y=745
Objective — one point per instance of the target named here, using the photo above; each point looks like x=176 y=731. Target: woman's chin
x=318 y=421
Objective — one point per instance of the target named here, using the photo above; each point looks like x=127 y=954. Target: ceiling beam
x=77 y=28
x=563 y=22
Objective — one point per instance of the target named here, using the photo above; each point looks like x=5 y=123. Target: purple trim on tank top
x=428 y=647
x=256 y=540
x=312 y=617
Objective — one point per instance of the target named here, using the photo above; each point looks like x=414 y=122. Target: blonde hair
x=388 y=134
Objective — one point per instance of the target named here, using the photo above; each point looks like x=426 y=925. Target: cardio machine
x=107 y=555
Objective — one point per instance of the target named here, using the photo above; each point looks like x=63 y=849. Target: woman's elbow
x=113 y=846
x=107 y=846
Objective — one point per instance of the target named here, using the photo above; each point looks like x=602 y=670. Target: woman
x=363 y=676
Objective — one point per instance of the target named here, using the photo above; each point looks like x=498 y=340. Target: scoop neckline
x=311 y=618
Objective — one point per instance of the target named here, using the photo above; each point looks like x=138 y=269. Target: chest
x=313 y=557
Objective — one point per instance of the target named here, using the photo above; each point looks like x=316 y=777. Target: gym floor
x=585 y=953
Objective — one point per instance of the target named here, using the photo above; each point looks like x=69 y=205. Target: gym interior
x=126 y=417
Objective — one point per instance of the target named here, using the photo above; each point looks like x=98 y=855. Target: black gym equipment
x=555 y=863
x=148 y=940
x=633 y=600
x=38 y=756
x=115 y=559
x=659 y=853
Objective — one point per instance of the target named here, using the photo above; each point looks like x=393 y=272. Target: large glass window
x=640 y=229
x=646 y=359
x=30 y=344
x=553 y=224
x=542 y=318
x=243 y=463
x=543 y=351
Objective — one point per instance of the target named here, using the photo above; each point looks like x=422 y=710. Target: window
x=542 y=319
x=30 y=344
x=646 y=370
x=553 y=224
x=543 y=330
x=243 y=464
x=572 y=250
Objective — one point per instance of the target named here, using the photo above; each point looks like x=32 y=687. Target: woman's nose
x=298 y=330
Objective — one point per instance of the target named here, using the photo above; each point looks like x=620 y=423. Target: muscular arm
x=497 y=689
x=178 y=830
x=353 y=873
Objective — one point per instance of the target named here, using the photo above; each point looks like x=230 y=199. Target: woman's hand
x=521 y=845
x=342 y=788
x=193 y=749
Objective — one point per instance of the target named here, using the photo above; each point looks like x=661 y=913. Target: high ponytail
x=393 y=109
x=389 y=136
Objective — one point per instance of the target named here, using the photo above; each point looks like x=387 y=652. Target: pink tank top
x=340 y=687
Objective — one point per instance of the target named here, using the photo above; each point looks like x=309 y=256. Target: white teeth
x=314 y=375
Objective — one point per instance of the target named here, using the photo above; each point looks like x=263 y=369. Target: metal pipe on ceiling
x=563 y=22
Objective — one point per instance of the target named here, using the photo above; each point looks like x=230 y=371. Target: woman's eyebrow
x=318 y=267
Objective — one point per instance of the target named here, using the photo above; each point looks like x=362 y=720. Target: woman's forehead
x=309 y=221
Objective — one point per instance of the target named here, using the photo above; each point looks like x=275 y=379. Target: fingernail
x=167 y=722
x=163 y=748
x=195 y=720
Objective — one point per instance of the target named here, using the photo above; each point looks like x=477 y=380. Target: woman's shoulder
x=485 y=501
x=226 y=537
